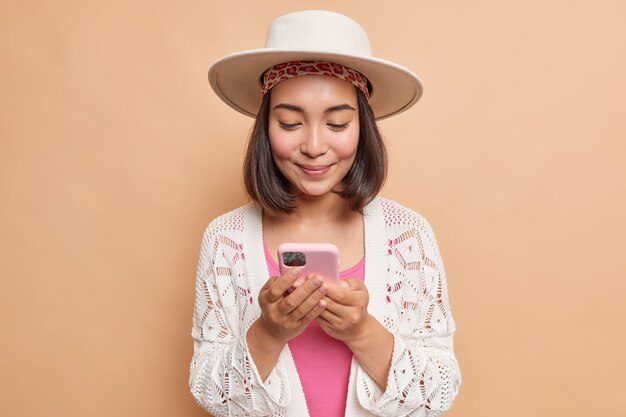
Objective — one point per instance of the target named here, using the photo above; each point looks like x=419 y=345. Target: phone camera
x=294 y=259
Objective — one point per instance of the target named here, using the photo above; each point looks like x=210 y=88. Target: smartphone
x=312 y=258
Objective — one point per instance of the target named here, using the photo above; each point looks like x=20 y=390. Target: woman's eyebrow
x=339 y=107
x=299 y=109
x=289 y=107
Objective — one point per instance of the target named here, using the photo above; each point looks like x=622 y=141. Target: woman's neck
x=329 y=208
x=327 y=219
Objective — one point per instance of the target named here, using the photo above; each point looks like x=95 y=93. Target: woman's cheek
x=281 y=147
x=347 y=147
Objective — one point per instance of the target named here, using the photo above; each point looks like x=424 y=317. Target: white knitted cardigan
x=405 y=278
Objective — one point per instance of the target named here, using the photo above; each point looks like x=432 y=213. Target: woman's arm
x=414 y=367
x=424 y=376
x=346 y=318
x=284 y=315
x=223 y=377
x=373 y=351
x=235 y=369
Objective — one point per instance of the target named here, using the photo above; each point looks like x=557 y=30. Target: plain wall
x=115 y=154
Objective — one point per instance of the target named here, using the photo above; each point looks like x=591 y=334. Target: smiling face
x=313 y=132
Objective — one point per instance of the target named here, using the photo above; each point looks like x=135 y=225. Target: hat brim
x=235 y=78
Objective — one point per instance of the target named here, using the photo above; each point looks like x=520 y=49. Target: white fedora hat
x=315 y=35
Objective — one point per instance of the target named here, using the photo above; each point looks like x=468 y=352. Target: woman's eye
x=289 y=126
x=334 y=126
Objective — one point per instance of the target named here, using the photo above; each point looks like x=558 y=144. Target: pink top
x=323 y=363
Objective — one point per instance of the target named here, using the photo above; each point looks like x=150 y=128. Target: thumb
x=351 y=283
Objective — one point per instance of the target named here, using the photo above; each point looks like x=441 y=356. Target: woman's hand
x=345 y=316
x=285 y=311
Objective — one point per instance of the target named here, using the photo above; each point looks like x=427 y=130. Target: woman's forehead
x=312 y=90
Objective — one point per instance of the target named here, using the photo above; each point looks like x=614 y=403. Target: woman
x=380 y=341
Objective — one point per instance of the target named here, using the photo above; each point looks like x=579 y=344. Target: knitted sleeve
x=424 y=376
x=223 y=377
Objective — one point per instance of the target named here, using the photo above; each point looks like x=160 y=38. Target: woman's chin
x=313 y=191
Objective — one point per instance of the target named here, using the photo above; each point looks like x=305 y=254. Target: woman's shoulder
x=396 y=214
x=402 y=223
x=231 y=221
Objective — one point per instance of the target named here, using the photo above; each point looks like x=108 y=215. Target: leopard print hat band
x=287 y=70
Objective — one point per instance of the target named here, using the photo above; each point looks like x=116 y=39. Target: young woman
x=380 y=341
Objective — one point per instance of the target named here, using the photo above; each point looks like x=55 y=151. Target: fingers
x=288 y=315
x=353 y=284
x=315 y=312
x=345 y=298
x=304 y=298
x=279 y=285
x=347 y=291
x=312 y=305
x=334 y=311
x=331 y=314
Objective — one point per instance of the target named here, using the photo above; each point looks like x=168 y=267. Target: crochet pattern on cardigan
x=406 y=282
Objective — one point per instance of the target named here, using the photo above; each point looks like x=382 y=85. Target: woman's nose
x=314 y=144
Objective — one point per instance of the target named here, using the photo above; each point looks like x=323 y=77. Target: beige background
x=115 y=154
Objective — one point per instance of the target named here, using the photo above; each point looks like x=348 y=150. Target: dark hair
x=267 y=186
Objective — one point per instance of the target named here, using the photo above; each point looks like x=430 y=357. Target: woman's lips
x=315 y=171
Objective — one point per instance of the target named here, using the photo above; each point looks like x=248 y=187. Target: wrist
x=262 y=338
x=371 y=332
x=264 y=348
x=373 y=351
